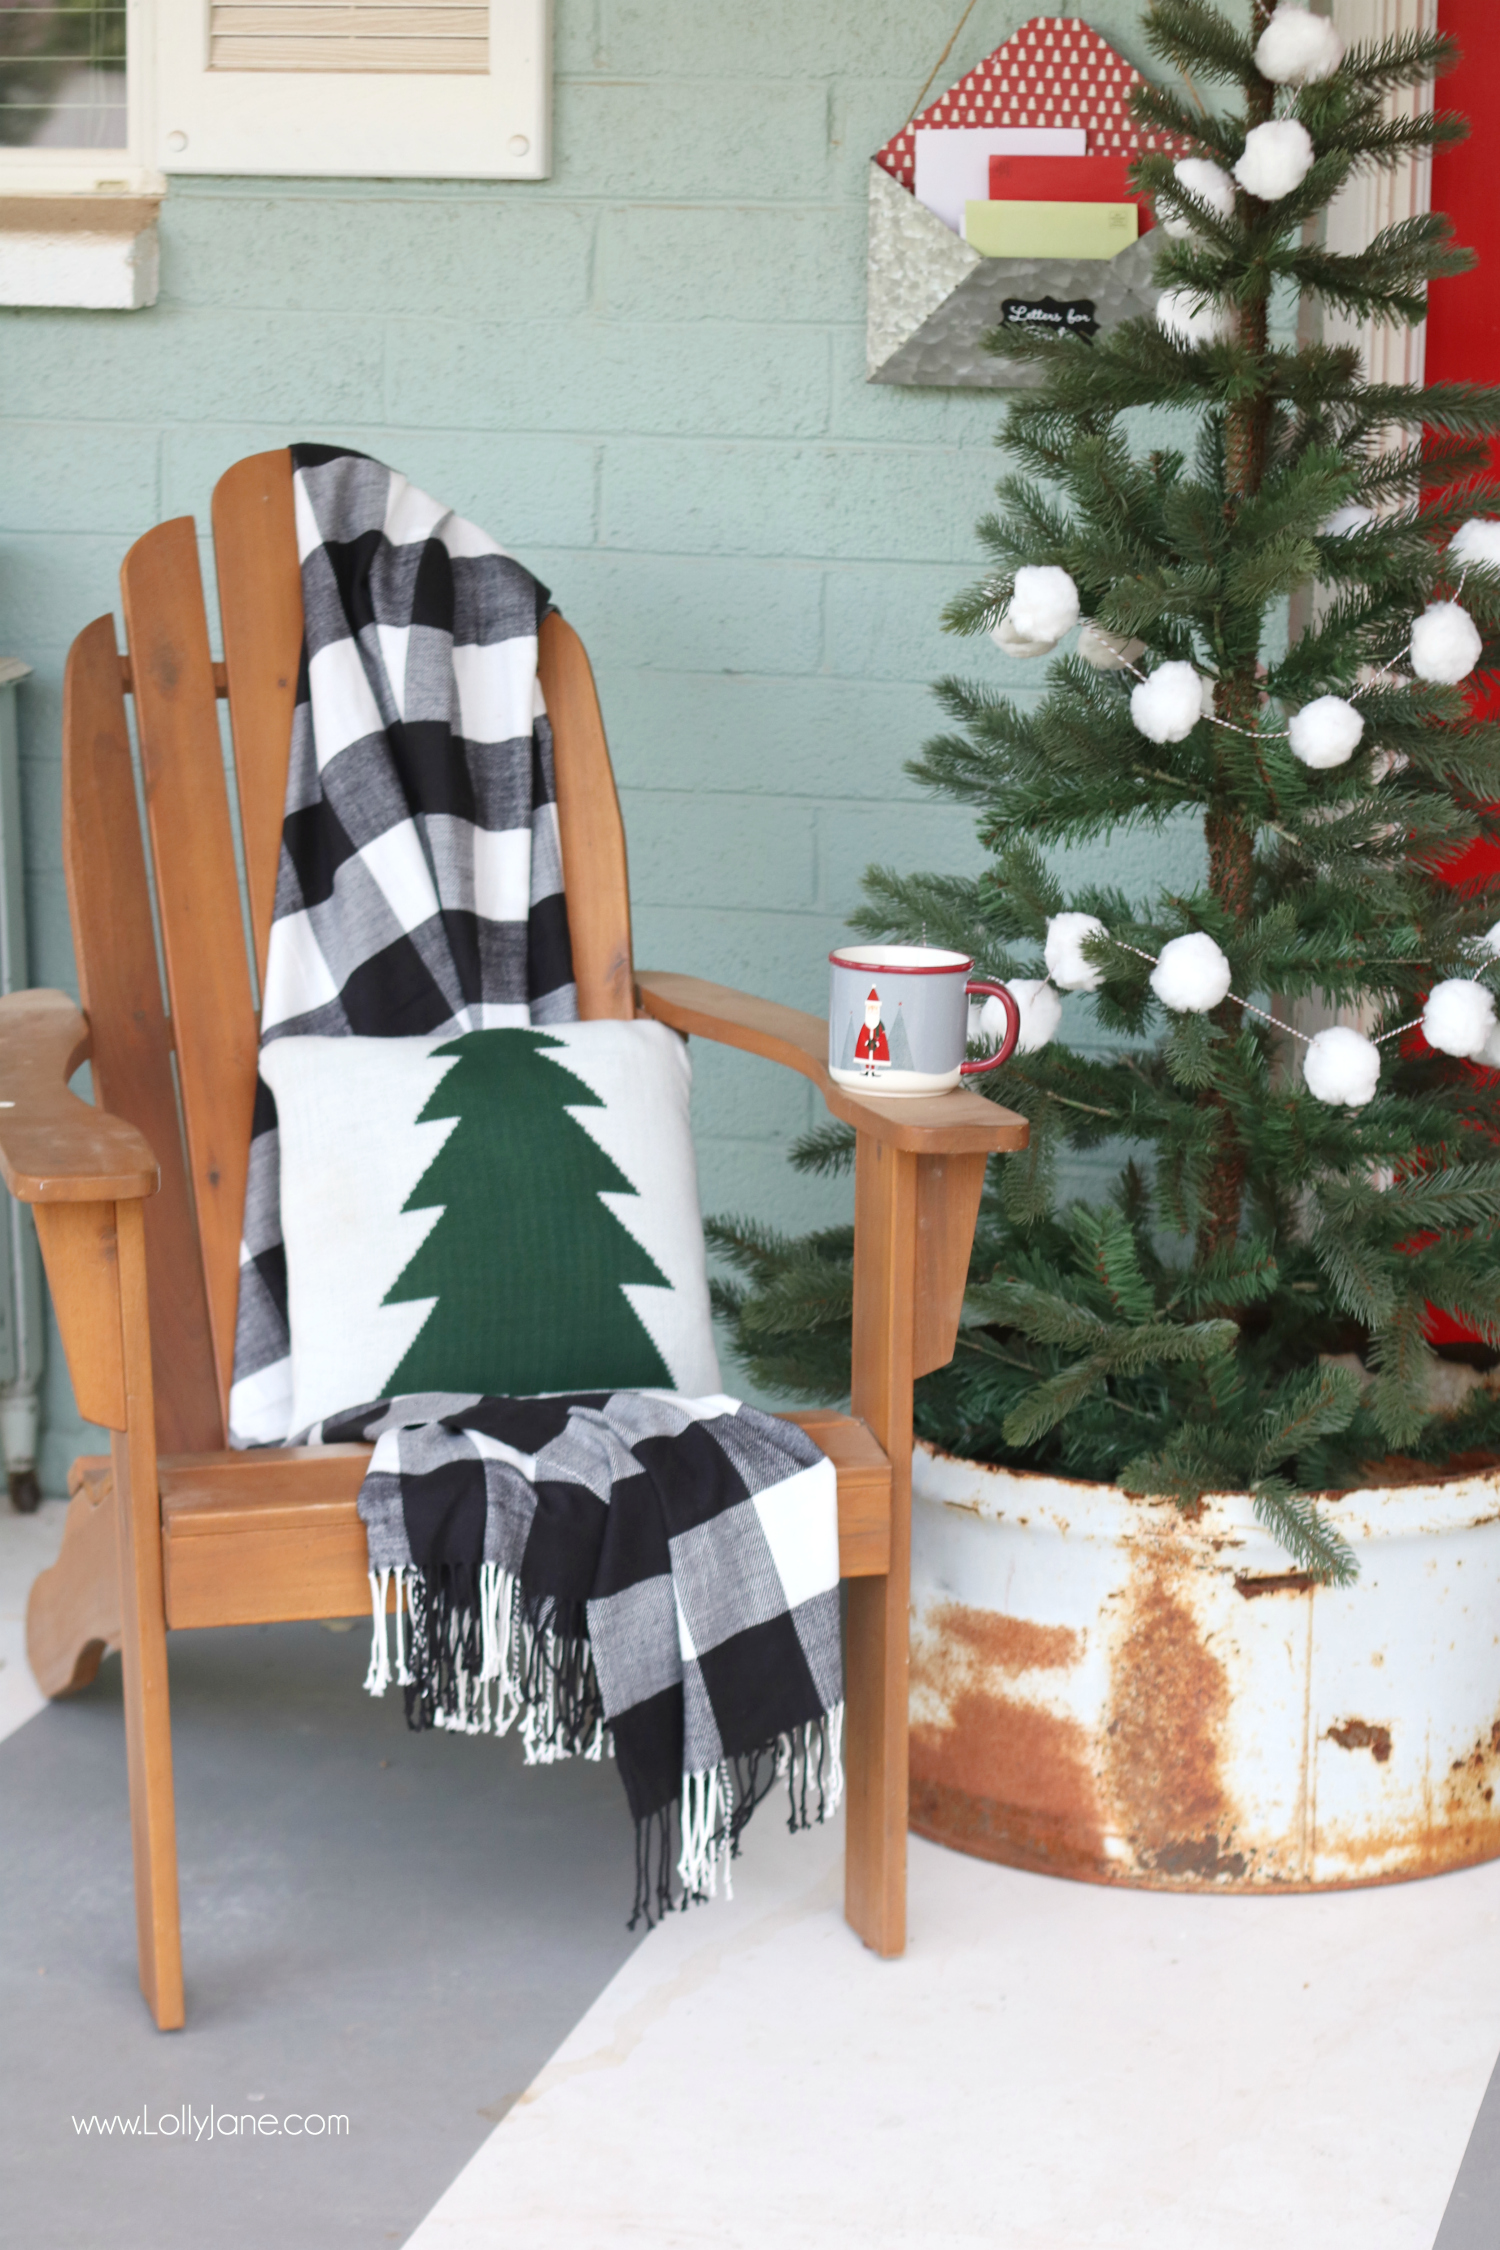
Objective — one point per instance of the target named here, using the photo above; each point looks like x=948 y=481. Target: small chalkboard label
x=1071 y=316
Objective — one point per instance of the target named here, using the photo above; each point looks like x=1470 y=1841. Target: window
x=72 y=112
x=106 y=96
x=62 y=74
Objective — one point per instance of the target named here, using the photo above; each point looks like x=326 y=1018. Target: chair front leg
x=95 y=1255
x=878 y=1630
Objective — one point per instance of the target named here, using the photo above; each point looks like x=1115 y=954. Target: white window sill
x=96 y=251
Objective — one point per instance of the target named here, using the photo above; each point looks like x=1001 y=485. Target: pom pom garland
x=1477 y=541
x=1353 y=516
x=1182 y=316
x=1066 y=965
x=1005 y=636
x=1167 y=706
x=1298 y=49
x=1341 y=1066
x=1044 y=603
x=1277 y=159
x=1210 y=183
x=1445 y=644
x=1459 y=1017
x=1192 y=975
x=1325 y=733
x=1041 y=1014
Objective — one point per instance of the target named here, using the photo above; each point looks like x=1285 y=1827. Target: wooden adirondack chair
x=139 y=1214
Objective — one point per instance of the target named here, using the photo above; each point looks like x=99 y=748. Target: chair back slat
x=595 y=876
x=260 y=606
x=198 y=899
x=119 y=982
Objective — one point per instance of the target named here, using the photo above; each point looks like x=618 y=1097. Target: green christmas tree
x=527 y=1264
x=1251 y=1307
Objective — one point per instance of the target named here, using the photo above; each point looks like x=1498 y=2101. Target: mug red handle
x=1008 y=1002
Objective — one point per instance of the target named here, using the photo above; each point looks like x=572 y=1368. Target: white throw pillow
x=506 y=1211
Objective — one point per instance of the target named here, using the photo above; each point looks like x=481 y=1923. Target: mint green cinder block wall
x=646 y=375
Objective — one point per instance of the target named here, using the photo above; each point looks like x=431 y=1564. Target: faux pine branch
x=1250 y=1309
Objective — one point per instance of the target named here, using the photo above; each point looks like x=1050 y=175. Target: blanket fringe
x=716 y=1805
x=477 y=1658
x=477 y=1655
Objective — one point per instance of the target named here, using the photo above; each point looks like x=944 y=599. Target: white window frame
x=495 y=125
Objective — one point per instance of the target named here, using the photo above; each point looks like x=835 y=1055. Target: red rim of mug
x=959 y=966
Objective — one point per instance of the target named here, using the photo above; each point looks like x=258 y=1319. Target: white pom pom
x=1106 y=651
x=1477 y=541
x=1354 y=516
x=1343 y=1066
x=1005 y=636
x=1458 y=1018
x=1044 y=604
x=1168 y=705
x=1297 y=49
x=1180 y=315
x=1066 y=965
x=1325 y=733
x=1192 y=975
x=1210 y=183
x=1277 y=159
x=1041 y=1013
x=1445 y=644
x=1489 y=945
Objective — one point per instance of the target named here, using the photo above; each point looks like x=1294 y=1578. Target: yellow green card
x=1050 y=230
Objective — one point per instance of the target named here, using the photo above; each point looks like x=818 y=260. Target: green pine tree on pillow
x=528 y=1265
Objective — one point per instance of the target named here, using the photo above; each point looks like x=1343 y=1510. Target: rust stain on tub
x=1358 y=1734
x=997 y=1774
x=1003 y=1644
x=1168 y=1709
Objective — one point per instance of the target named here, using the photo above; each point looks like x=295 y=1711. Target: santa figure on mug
x=873 y=1048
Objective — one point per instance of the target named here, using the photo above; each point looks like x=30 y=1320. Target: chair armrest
x=55 y=1148
x=959 y=1123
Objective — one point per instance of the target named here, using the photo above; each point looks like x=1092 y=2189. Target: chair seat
x=273 y=1534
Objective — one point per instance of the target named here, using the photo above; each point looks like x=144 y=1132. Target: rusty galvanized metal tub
x=1106 y=1689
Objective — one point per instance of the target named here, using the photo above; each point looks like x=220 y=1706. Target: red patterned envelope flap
x=1053 y=71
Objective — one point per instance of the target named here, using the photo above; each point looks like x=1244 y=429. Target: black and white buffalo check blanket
x=652 y=1575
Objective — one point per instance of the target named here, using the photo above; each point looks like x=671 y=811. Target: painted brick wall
x=647 y=376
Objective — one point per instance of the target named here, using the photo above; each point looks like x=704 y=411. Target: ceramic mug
x=898 y=1018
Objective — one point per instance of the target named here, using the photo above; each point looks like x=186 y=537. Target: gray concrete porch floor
x=390 y=1928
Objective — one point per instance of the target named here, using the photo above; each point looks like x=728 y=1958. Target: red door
x=1463 y=316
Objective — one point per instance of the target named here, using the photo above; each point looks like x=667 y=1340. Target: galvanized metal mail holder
x=933 y=299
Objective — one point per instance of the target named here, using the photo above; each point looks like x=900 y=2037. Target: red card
x=1066 y=179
